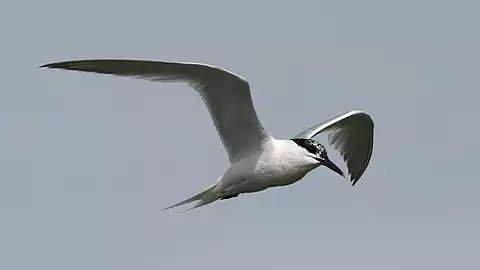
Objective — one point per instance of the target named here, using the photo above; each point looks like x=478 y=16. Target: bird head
x=315 y=150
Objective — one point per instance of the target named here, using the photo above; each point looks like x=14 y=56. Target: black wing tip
x=45 y=66
x=354 y=180
x=55 y=65
x=68 y=63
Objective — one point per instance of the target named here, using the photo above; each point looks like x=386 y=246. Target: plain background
x=87 y=162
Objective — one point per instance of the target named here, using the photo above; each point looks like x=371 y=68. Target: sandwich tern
x=257 y=160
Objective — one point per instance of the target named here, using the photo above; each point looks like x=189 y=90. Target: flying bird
x=257 y=160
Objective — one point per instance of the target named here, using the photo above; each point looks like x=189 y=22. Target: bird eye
x=322 y=151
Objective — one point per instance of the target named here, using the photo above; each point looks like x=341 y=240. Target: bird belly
x=282 y=171
x=284 y=178
x=270 y=176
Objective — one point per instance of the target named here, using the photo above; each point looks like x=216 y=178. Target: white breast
x=281 y=163
x=286 y=163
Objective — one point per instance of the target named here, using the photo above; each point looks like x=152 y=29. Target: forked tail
x=205 y=197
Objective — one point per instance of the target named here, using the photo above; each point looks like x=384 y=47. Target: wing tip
x=68 y=64
x=354 y=181
x=54 y=65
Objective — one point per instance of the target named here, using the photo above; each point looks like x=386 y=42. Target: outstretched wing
x=352 y=135
x=226 y=95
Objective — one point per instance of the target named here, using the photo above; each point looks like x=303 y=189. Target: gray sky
x=87 y=162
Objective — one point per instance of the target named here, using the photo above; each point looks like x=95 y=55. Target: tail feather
x=205 y=197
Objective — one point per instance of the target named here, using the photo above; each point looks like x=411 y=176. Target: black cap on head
x=318 y=149
x=312 y=146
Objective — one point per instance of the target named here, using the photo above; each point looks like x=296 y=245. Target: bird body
x=279 y=164
x=257 y=160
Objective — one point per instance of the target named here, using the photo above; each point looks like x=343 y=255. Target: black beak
x=329 y=164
